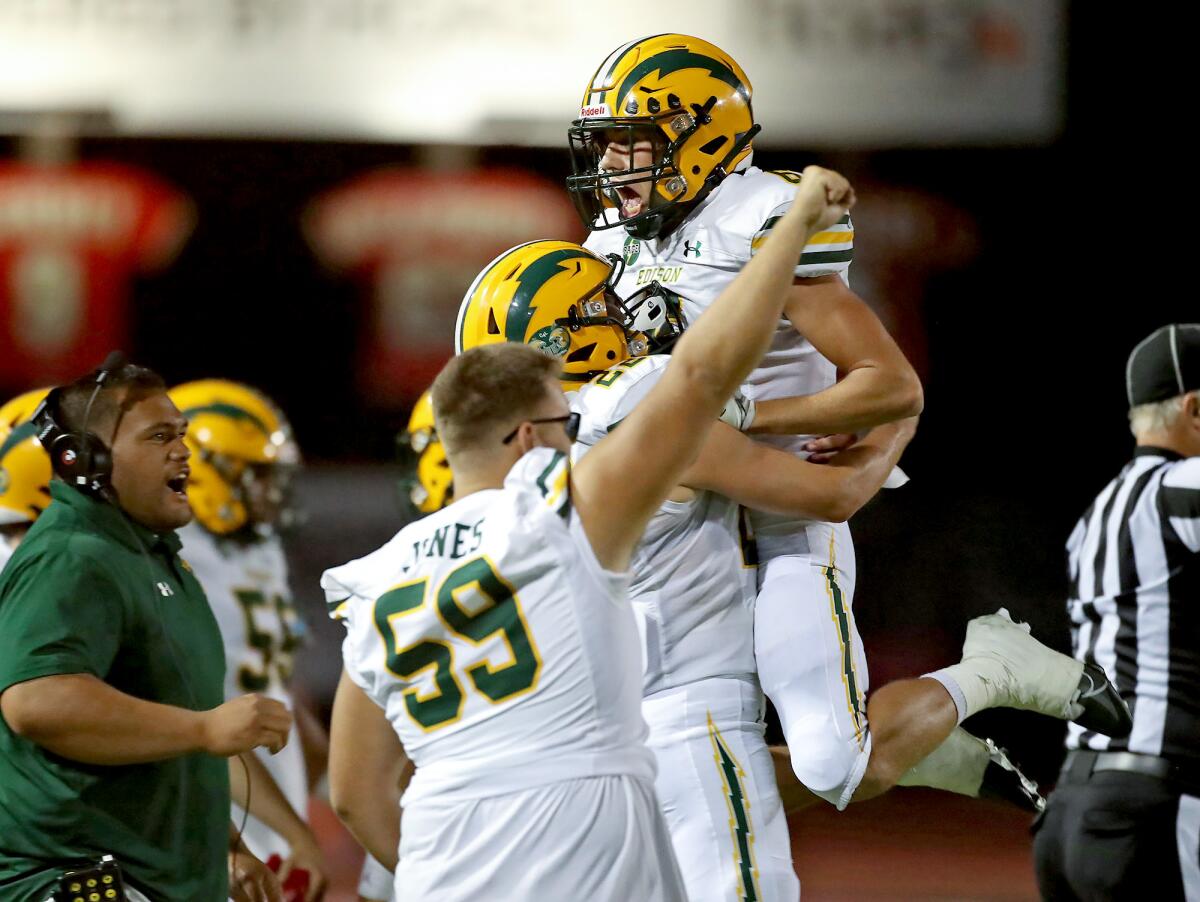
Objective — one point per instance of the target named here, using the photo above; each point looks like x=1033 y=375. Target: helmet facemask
x=600 y=194
x=657 y=314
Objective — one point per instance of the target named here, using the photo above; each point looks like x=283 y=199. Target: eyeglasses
x=570 y=423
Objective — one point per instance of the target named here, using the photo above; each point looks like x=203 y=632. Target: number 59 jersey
x=503 y=654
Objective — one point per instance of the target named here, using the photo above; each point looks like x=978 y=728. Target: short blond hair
x=1157 y=416
x=486 y=386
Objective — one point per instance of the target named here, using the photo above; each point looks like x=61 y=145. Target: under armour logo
x=688 y=249
x=164 y=590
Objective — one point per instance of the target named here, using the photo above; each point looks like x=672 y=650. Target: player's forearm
x=867 y=397
x=84 y=719
x=266 y=800
x=859 y=472
x=769 y=479
x=729 y=339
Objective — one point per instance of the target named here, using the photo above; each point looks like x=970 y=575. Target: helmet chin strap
x=665 y=223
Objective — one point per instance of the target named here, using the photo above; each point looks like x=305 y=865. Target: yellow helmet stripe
x=672 y=61
x=18 y=435
x=529 y=282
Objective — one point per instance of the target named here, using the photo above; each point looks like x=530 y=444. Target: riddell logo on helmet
x=587 y=111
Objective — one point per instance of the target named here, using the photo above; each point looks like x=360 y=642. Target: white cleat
x=1020 y=671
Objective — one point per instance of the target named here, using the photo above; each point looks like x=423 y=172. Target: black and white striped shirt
x=1134 y=564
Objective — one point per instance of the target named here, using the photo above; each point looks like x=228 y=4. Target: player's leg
x=1004 y=666
x=909 y=720
x=811 y=662
x=716 y=785
x=812 y=666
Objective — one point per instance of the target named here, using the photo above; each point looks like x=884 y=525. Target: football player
x=693 y=583
x=496 y=634
x=663 y=175
x=243 y=455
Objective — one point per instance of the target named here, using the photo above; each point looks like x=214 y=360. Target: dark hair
x=123 y=388
x=487 y=386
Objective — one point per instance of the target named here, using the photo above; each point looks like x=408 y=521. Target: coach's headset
x=80 y=459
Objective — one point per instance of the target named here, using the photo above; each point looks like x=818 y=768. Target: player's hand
x=306 y=856
x=823 y=198
x=824 y=448
x=245 y=723
x=252 y=881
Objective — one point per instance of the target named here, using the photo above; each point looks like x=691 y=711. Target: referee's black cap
x=1165 y=364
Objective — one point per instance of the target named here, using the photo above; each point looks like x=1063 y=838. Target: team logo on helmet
x=553 y=340
x=4 y=480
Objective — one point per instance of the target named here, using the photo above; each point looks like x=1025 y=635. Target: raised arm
x=617 y=487
x=878 y=384
x=366 y=764
x=768 y=479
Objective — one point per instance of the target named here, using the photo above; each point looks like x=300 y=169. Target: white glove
x=895 y=479
x=739 y=412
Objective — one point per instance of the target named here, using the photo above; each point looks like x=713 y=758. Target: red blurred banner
x=416 y=240
x=72 y=237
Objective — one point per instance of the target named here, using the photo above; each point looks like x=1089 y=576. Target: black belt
x=1082 y=764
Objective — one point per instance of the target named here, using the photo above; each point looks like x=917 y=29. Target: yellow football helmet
x=557 y=297
x=238 y=439
x=691 y=99
x=429 y=485
x=24 y=465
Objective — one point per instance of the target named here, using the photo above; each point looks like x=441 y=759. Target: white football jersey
x=247 y=588
x=504 y=655
x=703 y=256
x=692 y=581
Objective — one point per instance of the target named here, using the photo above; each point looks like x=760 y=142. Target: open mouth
x=178 y=484
x=631 y=201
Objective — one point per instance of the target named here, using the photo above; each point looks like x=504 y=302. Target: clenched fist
x=823 y=198
x=246 y=723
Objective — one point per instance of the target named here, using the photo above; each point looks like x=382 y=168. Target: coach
x=1125 y=819
x=111 y=664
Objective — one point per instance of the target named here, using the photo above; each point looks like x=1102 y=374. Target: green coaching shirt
x=80 y=596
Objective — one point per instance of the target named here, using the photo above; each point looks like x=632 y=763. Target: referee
x=1125 y=818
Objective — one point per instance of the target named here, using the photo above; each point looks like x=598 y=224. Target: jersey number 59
x=500 y=618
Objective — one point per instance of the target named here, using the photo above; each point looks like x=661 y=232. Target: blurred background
x=296 y=194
